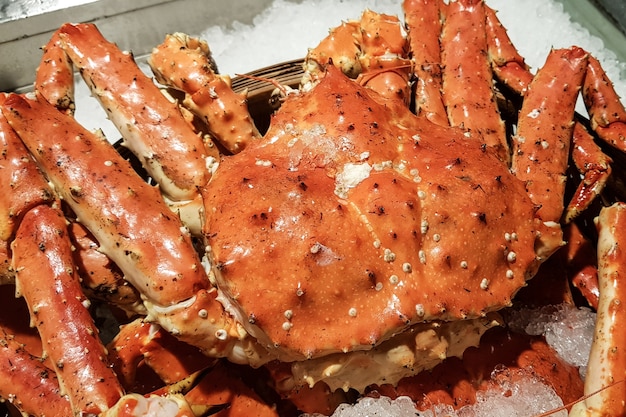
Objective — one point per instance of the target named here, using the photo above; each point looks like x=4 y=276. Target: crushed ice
x=569 y=330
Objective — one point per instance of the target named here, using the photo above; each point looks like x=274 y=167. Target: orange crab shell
x=313 y=261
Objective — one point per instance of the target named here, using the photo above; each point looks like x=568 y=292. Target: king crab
x=356 y=242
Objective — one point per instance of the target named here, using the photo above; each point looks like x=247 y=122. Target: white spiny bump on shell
x=422 y=256
x=221 y=334
x=406 y=267
x=511 y=256
x=509 y=273
x=288 y=314
x=352 y=312
x=464 y=264
x=86 y=303
x=484 y=284
x=202 y=313
x=394 y=279
x=379 y=286
x=424 y=227
x=421 y=194
x=415 y=173
x=108 y=163
x=315 y=248
x=287 y=325
x=388 y=255
x=436 y=237
x=263 y=163
x=377 y=244
x=419 y=309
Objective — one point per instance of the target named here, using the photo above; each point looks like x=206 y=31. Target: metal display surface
x=136 y=26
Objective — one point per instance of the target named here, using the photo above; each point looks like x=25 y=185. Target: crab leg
x=510 y=68
x=541 y=146
x=42 y=251
x=126 y=215
x=152 y=126
x=184 y=63
x=18 y=173
x=100 y=278
x=372 y=50
x=607 y=360
x=171 y=359
x=596 y=166
x=133 y=226
x=386 y=68
x=507 y=64
x=55 y=76
x=7 y=274
x=341 y=47
x=582 y=263
x=21 y=372
x=423 y=20
x=606 y=112
x=467 y=81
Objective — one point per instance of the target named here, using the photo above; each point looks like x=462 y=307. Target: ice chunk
x=525 y=398
x=568 y=329
x=375 y=407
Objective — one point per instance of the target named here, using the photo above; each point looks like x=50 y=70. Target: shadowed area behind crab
x=353 y=218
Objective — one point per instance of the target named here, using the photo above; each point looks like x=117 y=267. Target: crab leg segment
x=171 y=359
x=20 y=175
x=606 y=112
x=126 y=215
x=423 y=20
x=55 y=76
x=372 y=50
x=184 y=63
x=607 y=360
x=467 y=79
x=21 y=373
x=152 y=126
x=41 y=252
x=596 y=166
x=510 y=69
x=386 y=68
x=582 y=263
x=507 y=64
x=7 y=275
x=100 y=278
x=541 y=146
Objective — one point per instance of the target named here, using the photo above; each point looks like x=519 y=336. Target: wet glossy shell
x=352 y=219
